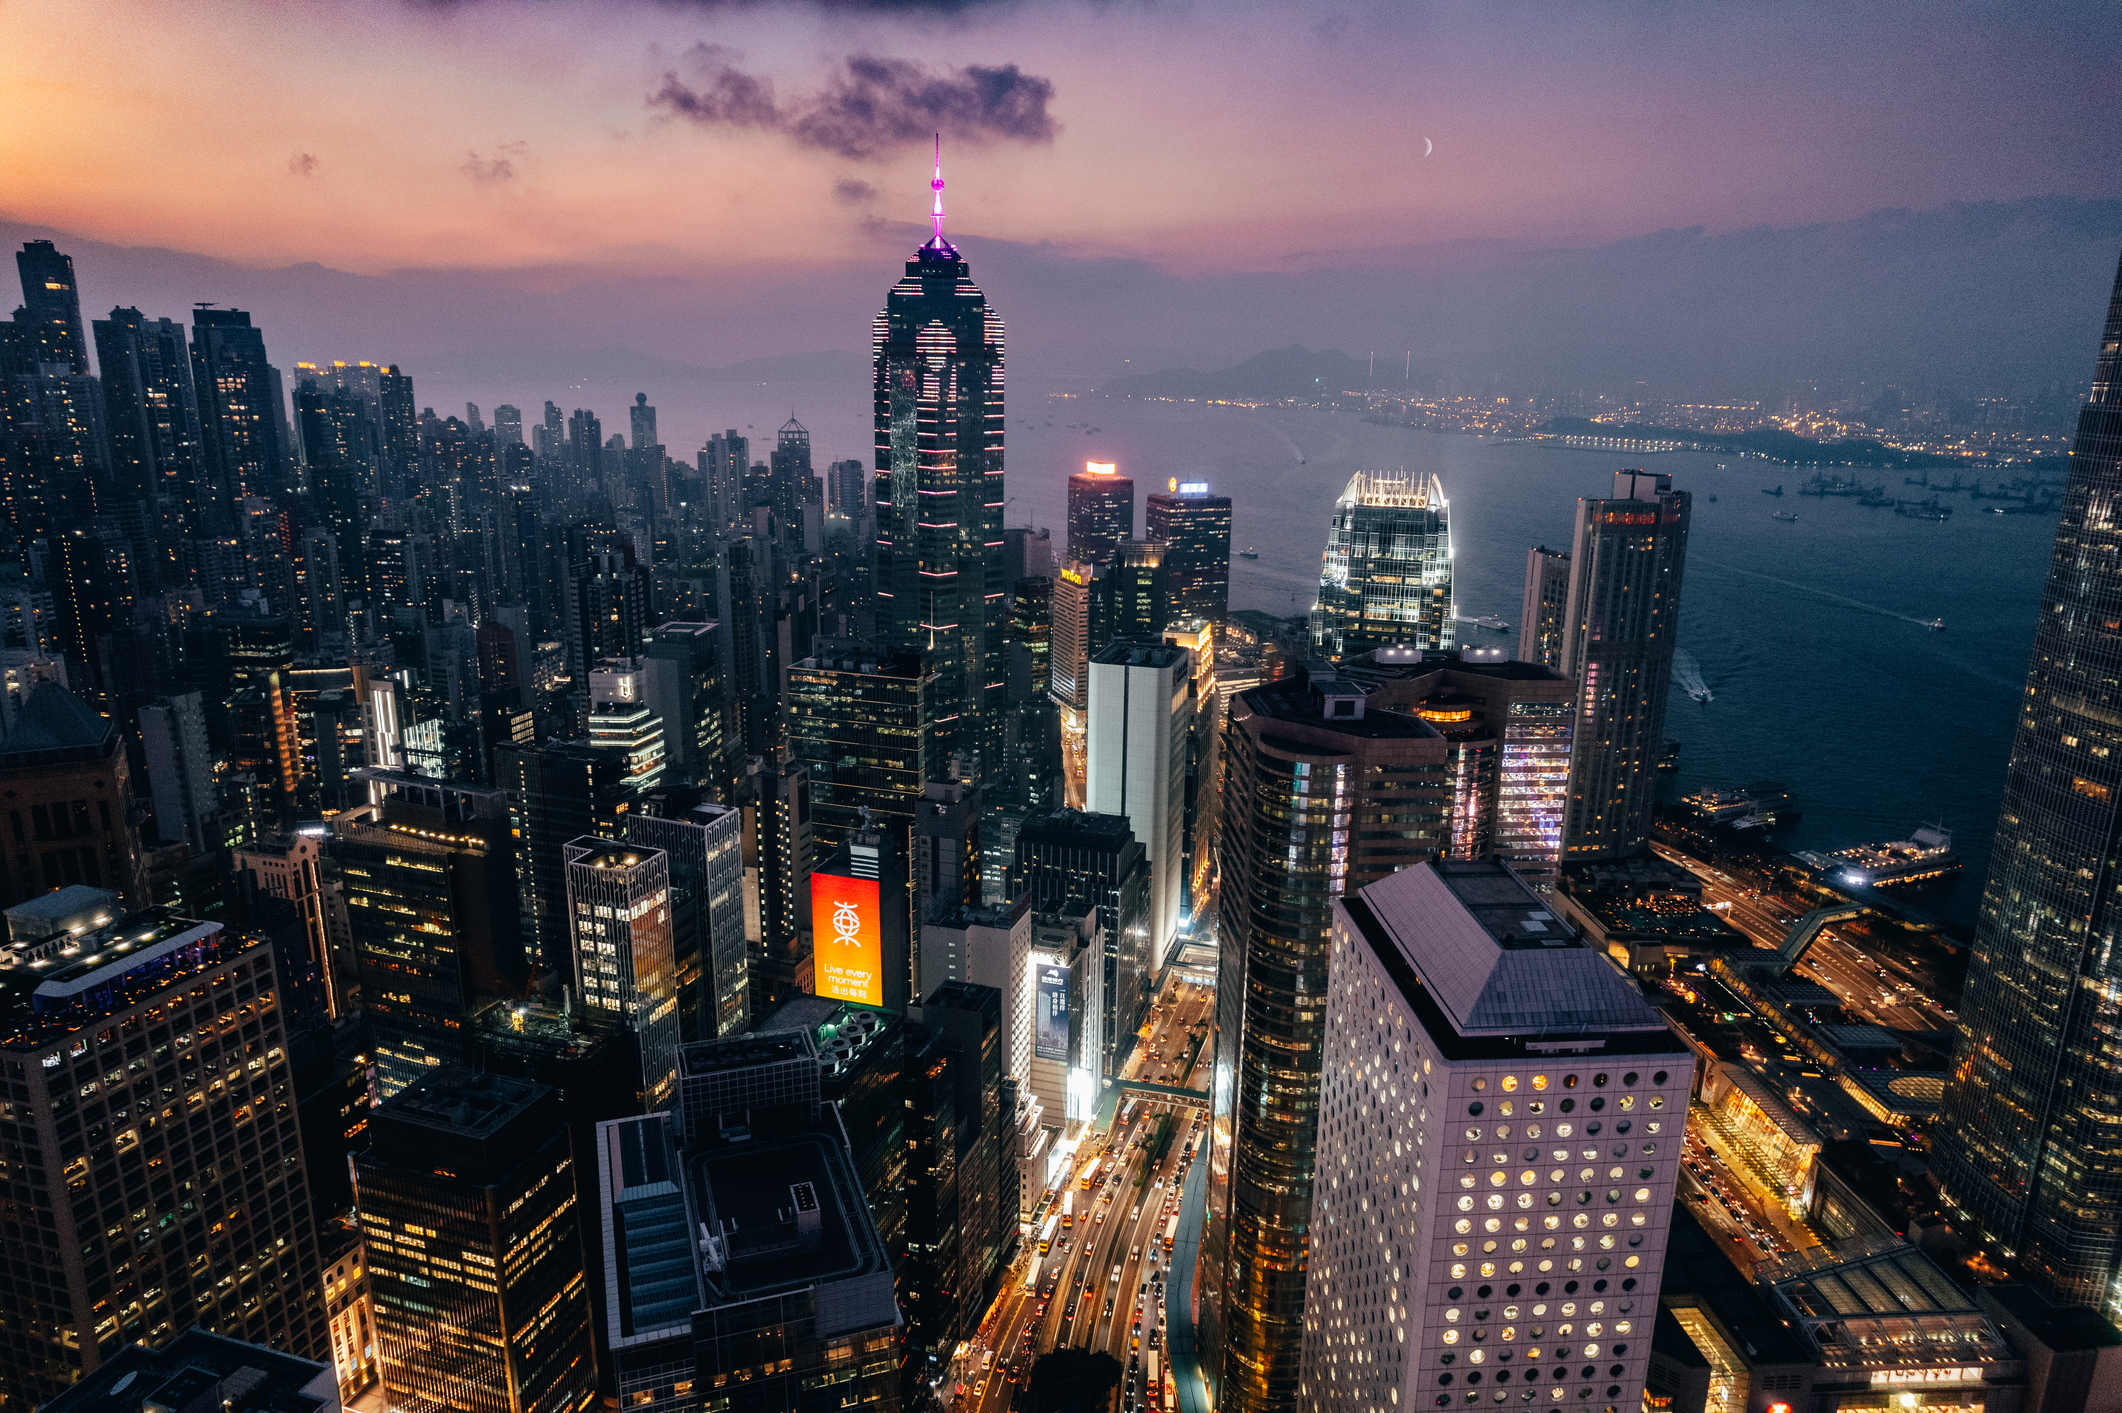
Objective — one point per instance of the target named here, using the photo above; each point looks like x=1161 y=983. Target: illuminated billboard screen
x=847 y=950
x=1050 y=1032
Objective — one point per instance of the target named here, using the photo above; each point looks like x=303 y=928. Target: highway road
x=1102 y=1285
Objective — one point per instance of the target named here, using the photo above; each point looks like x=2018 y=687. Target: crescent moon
x=1428 y=147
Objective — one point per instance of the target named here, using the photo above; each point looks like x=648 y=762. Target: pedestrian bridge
x=1165 y=1093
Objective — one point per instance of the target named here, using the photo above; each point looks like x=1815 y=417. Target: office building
x=70 y=799
x=680 y=671
x=1140 y=734
x=623 y=725
x=626 y=968
x=467 y=1201
x=1546 y=606
x=1193 y=525
x=1137 y=600
x=704 y=846
x=1456 y=999
x=427 y=878
x=1070 y=628
x=1101 y=513
x=862 y=921
x=1625 y=566
x=2026 y=1147
x=1069 y=861
x=51 y=306
x=556 y=792
x=202 y=1370
x=1204 y=767
x=150 y=412
x=1386 y=576
x=1322 y=795
x=940 y=588
x=85 y=1027
x=862 y=723
x=1066 y=970
x=745 y=1272
x=1506 y=727
x=984 y=946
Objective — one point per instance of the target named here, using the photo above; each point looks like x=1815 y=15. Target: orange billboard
x=847 y=941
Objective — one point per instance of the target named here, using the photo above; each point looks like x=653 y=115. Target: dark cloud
x=871 y=106
x=501 y=167
x=853 y=191
x=302 y=164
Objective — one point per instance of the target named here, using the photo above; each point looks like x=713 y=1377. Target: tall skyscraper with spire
x=941 y=588
x=2029 y=1146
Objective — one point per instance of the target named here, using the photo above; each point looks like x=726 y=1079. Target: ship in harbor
x=1788 y=517
x=1925 y=857
x=1763 y=806
x=1248 y=553
x=1491 y=622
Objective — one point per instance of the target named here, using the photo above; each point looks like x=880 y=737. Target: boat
x=1926 y=856
x=1776 y=491
x=1788 y=517
x=1931 y=509
x=1936 y=625
x=1492 y=623
x=1248 y=553
x=1702 y=693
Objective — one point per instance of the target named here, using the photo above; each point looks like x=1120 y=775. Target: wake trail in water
x=1690 y=674
x=1827 y=594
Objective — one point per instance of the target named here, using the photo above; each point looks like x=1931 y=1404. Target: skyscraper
x=241 y=417
x=1625 y=567
x=1456 y=998
x=508 y=425
x=467 y=1199
x=940 y=586
x=53 y=303
x=704 y=846
x=150 y=411
x=862 y=722
x=64 y=769
x=1068 y=861
x=1141 y=725
x=619 y=904
x=85 y=1027
x=1101 y=512
x=1136 y=595
x=1322 y=795
x=1546 y=605
x=1386 y=575
x=1194 y=528
x=2030 y=1129
x=641 y=419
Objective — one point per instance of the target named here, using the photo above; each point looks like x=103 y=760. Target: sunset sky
x=523 y=134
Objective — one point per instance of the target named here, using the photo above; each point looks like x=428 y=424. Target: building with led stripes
x=1625 y=567
x=1321 y=796
x=2029 y=1142
x=1500 y=1129
x=1386 y=575
x=942 y=591
x=467 y=1202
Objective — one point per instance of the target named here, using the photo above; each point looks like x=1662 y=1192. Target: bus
x=1046 y=1235
x=1090 y=1175
x=1153 y=1385
x=1171 y=1234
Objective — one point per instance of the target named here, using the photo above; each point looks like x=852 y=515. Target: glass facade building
x=1625 y=568
x=1101 y=512
x=1194 y=528
x=1321 y=796
x=941 y=588
x=1386 y=576
x=619 y=897
x=2030 y=1135
x=861 y=722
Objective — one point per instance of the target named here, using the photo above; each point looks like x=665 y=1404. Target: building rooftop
x=61 y=910
x=1078 y=825
x=1472 y=942
x=1882 y=1304
x=63 y=983
x=2060 y=1327
x=199 y=1370
x=1400 y=662
x=1134 y=652
x=464 y=1102
x=1295 y=701
x=52 y=725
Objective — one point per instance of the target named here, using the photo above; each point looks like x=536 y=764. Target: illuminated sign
x=1888 y=1378
x=1050 y=1030
x=1101 y=468
x=847 y=951
x=1193 y=488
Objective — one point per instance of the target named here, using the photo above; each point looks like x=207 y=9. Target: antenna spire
x=936 y=185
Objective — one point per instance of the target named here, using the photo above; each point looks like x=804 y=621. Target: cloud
x=302 y=164
x=501 y=167
x=853 y=191
x=870 y=106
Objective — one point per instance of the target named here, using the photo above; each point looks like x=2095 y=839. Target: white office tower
x=1141 y=722
x=1500 y=1120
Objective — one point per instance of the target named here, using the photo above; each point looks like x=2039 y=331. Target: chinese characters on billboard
x=1050 y=1031
x=847 y=951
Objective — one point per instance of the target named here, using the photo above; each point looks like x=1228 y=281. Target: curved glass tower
x=1386 y=577
x=2029 y=1144
x=940 y=585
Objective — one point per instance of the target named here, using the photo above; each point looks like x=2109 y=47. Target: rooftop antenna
x=936 y=185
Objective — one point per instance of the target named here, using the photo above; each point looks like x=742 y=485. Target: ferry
x=1492 y=623
x=1763 y=806
x=1788 y=517
x=1924 y=857
x=1248 y=553
x=1776 y=490
x=1936 y=625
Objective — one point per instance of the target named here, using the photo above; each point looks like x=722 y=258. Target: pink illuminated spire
x=936 y=185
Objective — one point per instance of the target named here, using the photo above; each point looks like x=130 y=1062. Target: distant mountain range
x=1292 y=372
